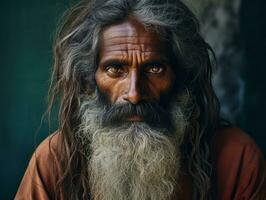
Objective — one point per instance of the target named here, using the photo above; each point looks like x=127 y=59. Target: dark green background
x=27 y=29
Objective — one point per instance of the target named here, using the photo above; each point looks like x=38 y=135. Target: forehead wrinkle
x=131 y=47
x=135 y=58
x=148 y=55
x=126 y=56
x=128 y=43
x=129 y=39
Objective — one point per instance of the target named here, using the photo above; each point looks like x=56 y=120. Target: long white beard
x=133 y=161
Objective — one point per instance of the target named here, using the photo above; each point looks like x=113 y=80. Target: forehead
x=130 y=36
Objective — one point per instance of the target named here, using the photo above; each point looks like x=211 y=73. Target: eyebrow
x=116 y=61
x=123 y=62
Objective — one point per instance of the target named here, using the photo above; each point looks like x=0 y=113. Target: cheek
x=107 y=86
x=161 y=86
x=103 y=83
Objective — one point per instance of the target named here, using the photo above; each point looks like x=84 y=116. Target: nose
x=133 y=94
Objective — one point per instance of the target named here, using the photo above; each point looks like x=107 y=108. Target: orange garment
x=239 y=169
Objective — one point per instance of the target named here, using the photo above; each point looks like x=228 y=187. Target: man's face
x=133 y=127
x=133 y=66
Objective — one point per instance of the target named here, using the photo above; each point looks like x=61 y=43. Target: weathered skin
x=133 y=64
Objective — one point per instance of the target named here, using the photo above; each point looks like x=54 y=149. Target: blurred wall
x=26 y=34
x=253 y=36
x=27 y=29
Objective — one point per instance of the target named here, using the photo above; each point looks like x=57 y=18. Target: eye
x=114 y=70
x=155 y=69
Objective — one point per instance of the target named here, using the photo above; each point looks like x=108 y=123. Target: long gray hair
x=75 y=53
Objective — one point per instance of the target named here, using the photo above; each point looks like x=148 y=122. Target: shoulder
x=234 y=143
x=43 y=171
x=232 y=137
x=49 y=147
x=239 y=164
x=46 y=158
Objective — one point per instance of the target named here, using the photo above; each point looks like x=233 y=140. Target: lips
x=135 y=118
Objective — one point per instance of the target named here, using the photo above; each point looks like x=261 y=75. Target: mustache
x=151 y=113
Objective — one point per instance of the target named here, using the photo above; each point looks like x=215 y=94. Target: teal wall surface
x=27 y=29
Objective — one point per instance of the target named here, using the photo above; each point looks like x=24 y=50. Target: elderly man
x=139 y=119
